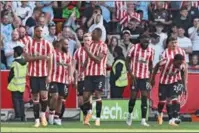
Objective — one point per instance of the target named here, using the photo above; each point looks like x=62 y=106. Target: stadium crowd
x=121 y=25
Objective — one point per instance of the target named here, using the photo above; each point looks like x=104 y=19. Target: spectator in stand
x=3 y=57
x=106 y=13
x=194 y=63
x=174 y=31
x=135 y=29
x=88 y=13
x=73 y=42
x=71 y=21
x=125 y=43
x=163 y=36
x=6 y=28
x=160 y=14
x=80 y=34
x=43 y=23
x=9 y=53
x=16 y=23
x=32 y=21
x=52 y=32
x=98 y=23
x=183 y=20
x=155 y=44
x=23 y=11
x=143 y=6
x=97 y=10
x=114 y=41
x=46 y=7
x=69 y=9
x=194 y=36
x=193 y=12
x=184 y=43
x=23 y=37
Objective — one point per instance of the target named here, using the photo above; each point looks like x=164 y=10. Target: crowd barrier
x=189 y=102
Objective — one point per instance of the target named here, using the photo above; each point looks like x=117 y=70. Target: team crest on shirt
x=142 y=60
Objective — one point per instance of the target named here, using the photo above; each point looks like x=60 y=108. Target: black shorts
x=80 y=88
x=61 y=89
x=94 y=83
x=38 y=84
x=170 y=91
x=142 y=85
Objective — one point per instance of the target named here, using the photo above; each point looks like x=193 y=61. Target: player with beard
x=169 y=87
x=140 y=63
x=95 y=74
x=58 y=88
x=80 y=58
x=170 y=52
x=38 y=53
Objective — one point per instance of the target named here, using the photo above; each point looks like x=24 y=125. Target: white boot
x=143 y=123
x=129 y=119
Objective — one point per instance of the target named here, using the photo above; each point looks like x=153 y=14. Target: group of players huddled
x=52 y=69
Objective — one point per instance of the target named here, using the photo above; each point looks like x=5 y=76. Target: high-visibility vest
x=122 y=81
x=18 y=82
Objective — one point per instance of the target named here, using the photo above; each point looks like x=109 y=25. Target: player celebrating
x=170 y=52
x=140 y=63
x=169 y=88
x=80 y=58
x=58 y=89
x=95 y=74
x=38 y=53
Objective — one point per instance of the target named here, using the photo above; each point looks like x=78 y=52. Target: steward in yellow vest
x=17 y=82
x=118 y=78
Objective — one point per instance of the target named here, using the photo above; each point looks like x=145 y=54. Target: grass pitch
x=105 y=127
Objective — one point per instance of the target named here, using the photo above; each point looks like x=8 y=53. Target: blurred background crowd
x=121 y=22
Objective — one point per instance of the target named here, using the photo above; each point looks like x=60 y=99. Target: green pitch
x=105 y=127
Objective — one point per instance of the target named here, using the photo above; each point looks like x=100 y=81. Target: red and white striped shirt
x=169 y=54
x=140 y=60
x=34 y=48
x=93 y=68
x=80 y=56
x=168 y=72
x=61 y=62
x=121 y=9
x=25 y=40
x=128 y=17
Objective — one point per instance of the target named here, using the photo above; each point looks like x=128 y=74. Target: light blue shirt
x=51 y=38
x=143 y=5
x=6 y=32
x=106 y=14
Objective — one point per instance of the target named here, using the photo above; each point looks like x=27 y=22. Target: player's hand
x=44 y=57
x=74 y=85
x=47 y=79
x=133 y=78
x=152 y=82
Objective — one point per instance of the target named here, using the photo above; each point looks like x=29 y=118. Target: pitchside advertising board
x=117 y=110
